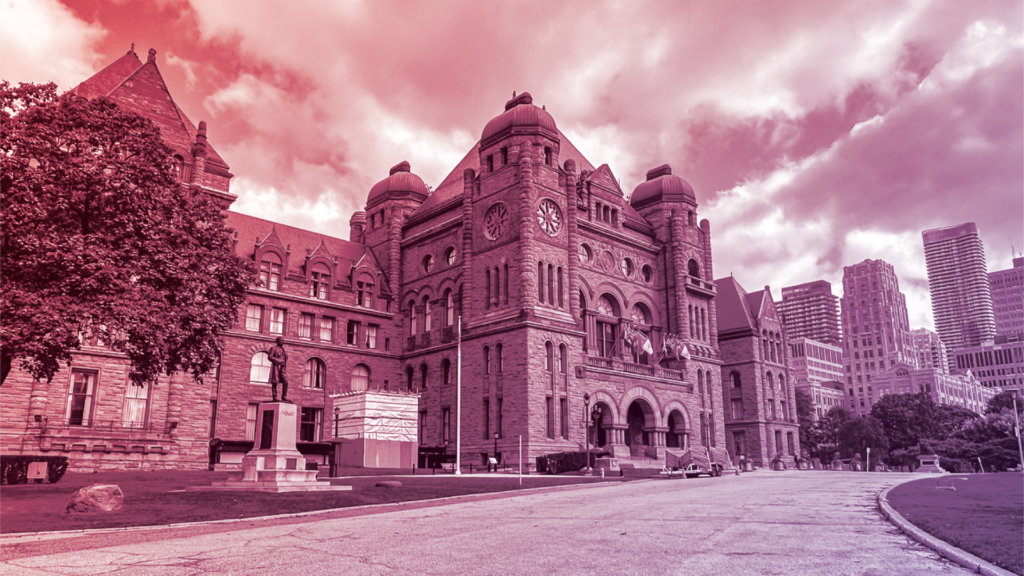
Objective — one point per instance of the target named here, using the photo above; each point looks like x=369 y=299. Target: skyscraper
x=931 y=352
x=876 y=329
x=961 y=301
x=1007 y=288
x=811 y=311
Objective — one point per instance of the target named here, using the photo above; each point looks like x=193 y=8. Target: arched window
x=423 y=377
x=412 y=317
x=449 y=308
x=551 y=285
x=692 y=268
x=540 y=282
x=499 y=351
x=314 y=374
x=408 y=378
x=736 y=381
x=319 y=280
x=549 y=350
x=563 y=359
x=497 y=286
x=703 y=325
x=700 y=381
x=487 y=289
x=176 y=166
x=487 y=359
x=561 y=288
x=426 y=315
x=360 y=377
x=504 y=285
x=446 y=371
x=259 y=368
x=606 y=330
x=641 y=315
x=270 y=271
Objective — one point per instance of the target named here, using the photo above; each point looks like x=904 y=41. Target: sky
x=816 y=134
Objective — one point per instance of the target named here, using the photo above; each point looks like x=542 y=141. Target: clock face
x=549 y=217
x=496 y=221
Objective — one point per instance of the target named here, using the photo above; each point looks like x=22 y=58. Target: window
x=371 y=336
x=360 y=378
x=498 y=419
x=564 y=415
x=487 y=289
x=253 y=317
x=605 y=339
x=412 y=318
x=259 y=369
x=561 y=288
x=692 y=268
x=426 y=315
x=499 y=351
x=364 y=294
x=549 y=363
x=551 y=416
x=446 y=425
x=423 y=426
x=540 y=282
x=327 y=329
x=309 y=426
x=306 y=326
x=314 y=374
x=135 y=400
x=737 y=408
x=277 y=321
x=352 y=333
x=450 y=255
x=446 y=371
x=423 y=376
x=778 y=442
x=319 y=279
x=487 y=360
x=700 y=382
x=80 y=398
x=408 y=378
x=563 y=359
x=213 y=419
x=270 y=271
x=789 y=443
x=428 y=263
x=736 y=382
x=250 y=421
x=487 y=419
x=448 y=308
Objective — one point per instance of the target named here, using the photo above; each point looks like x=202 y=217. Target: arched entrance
x=639 y=419
x=675 y=437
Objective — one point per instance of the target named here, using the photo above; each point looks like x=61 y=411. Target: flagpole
x=458 y=402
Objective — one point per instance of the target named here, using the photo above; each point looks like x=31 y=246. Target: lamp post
x=337 y=415
x=586 y=418
x=495 y=454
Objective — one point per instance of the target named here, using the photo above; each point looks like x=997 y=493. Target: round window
x=646 y=273
x=496 y=221
x=627 y=267
x=584 y=253
x=428 y=263
x=549 y=217
x=450 y=256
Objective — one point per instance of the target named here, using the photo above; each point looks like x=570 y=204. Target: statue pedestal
x=274 y=464
x=929 y=463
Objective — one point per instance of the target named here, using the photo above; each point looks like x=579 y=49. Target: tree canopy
x=100 y=243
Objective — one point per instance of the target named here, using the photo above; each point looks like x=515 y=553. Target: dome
x=519 y=111
x=661 y=186
x=401 y=182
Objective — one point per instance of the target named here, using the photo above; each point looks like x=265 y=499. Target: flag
x=647 y=345
x=685 y=353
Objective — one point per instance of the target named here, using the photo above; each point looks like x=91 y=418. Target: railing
x=636 y=369
x=599 y=361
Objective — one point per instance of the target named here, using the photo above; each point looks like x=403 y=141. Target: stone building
x=757 y=391
x=964 y=391
x=526 y=276
x=998 y=364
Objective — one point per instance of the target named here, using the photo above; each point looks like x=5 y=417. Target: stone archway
x=599 y=428
x=639 y=422
x=675 y=437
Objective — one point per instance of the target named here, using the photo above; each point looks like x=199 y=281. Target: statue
x=925 y=448
x=278 y=363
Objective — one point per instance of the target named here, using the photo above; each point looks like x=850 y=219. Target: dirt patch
x=983 y=515
x=159 y=497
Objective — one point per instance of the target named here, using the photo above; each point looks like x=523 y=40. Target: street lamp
x=495 y=454
x=337 y=415
x=586 y=418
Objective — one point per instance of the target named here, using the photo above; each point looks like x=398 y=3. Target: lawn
x=158 y=497
x=984 y=515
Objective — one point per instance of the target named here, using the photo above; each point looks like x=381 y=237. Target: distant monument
x=928 y=459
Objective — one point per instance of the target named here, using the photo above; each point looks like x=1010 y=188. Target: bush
x=560 y=462
x=14 y=469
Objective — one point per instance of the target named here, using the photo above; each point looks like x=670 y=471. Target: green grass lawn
x=984 y=515
x=158 y=497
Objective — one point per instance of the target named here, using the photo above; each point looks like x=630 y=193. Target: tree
x=829 y=429
x=861 y=433
x=99 y=242
x=907 y=418
x=951 y=419
x=805 y=416
x=1003 y=400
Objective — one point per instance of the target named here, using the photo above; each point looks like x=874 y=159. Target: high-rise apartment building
x=957 y=278
x=811 y=311
x=930 y=351
x=876 y=329
x=1007 y=287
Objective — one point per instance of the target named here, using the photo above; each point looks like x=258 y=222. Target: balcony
x=631 y=370
x=700 y=287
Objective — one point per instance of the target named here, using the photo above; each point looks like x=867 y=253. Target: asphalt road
x=764 y=522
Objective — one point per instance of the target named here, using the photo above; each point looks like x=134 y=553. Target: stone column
x=571 y=225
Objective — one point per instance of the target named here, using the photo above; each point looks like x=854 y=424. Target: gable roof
x=139 y=87
x=732 y=306
x=755 y=300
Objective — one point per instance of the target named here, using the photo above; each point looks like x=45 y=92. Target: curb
x=943 y=548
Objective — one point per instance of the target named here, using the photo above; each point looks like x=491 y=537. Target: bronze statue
x=278 y=363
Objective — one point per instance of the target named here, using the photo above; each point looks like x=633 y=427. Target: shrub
x=560 y=462
x=14 y=469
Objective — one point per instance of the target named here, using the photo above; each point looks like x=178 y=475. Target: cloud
x=186 y=66
x=42 y=41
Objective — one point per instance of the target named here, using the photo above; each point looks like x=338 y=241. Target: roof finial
x=132 y=49
x=152 y=56
x=513 y=93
